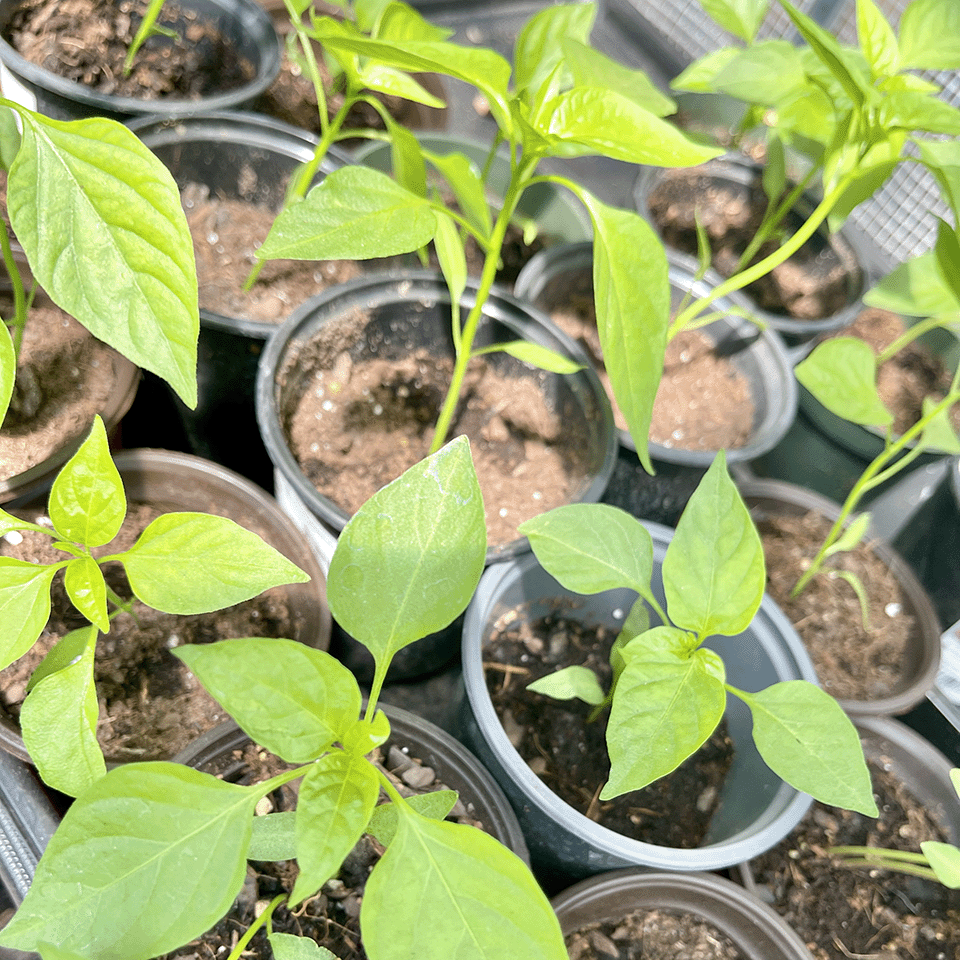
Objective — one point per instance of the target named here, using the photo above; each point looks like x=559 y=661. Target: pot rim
x=928 y=624
x=251 y=16
x=395 y=285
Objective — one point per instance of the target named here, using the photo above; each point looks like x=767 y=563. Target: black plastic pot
x=757 y=808
x=242 y=22
x=556 y=274
x=923 y=654
x=217 y=752
x=181 y=482
x=220 y=151
x=741 y=176
x=750 y=924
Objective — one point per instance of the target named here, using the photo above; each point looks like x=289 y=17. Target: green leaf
x=852 y=534
x=59 y=716
x=877 y=39
x=570 y=683
x=395 y=83
x=713 y=571
x=477 y=899
x=591 y=547
x=100 y=219
x=699 y=76
x=944 y=860
x=591 y=68
x=805 y=737
x=195 y=562
x=539 y=47
x=436 y=806
x=288 y=697
x=151 y=856
x=288 y=946
x=87 y=503
x=453 y=262
x=667 y=702
x=912 y=110
x=841 y=374
x=409 y=168
x=408 y=562
x=947 y=255
x=930 y=35
x=632 y=296
x=916 y=288
x=613 y=125
x=274 y=837
x=942 y=158
x=536 y=355
x=87 y=590
x=742 y=18
x=399 y=21
x=354 y=213
x=9 y=140
x=938 y=431
x=8 y=369
x=468 y=188
x=336 y=800
x=366 y=735
x=768 y=73
x=24 y=605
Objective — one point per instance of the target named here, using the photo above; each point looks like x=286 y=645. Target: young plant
x=669 y=689
x=148 y=28
x=841 y=373
x=182 y=563
x=153 y=854
x=99 y=219
x=559 y=98
x=937 y=861
x=851 y=113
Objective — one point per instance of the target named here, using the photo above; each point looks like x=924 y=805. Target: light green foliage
x=8 y=369
x=157 y=851
x=669 y=690
x=559 y=98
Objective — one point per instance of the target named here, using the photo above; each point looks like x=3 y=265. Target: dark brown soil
x=852 y=662
x=151 y=705
x=331 y=917
x=843 y=912
x=652 y=935
x=355 y=426
x=906 y=379
x=568 y=752
x=703 y=402
x=86 y=41
x=64 y=378
x=811 y=284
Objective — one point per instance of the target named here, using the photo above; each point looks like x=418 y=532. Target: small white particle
x=892 y=609
x=13 y=537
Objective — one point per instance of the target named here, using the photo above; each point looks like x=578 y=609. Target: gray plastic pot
x=181 y=482
x=742 y=177
x=218 y=151
x=751 y=925
x=217 y=752
x=758 y=355
x=757 y=808
x=923 y=654
x=242 y=22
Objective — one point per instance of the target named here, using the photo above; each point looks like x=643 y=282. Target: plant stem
x=19 y=321
x=248 y=935
x=760 y=269
x=518 y=183
x=908 y=336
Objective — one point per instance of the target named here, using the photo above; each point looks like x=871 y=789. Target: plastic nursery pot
x=750 y=924
x=821 y=310
x=922 y=656
x=240 y=156
x=217 y=752
x=559 y=217
x=182 y=482
x=558 y=276
x=242 y=23
x=40 y=429
x=757 y=809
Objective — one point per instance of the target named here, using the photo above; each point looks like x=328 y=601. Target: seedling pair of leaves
x=841 y=373
x=670 y=689
x=937 y=860
x=559 y=98
x=851 y=112
x=182 y=563
x=153 y=854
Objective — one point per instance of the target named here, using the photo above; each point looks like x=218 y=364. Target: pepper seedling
x=153 y=854
x=669 y=689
